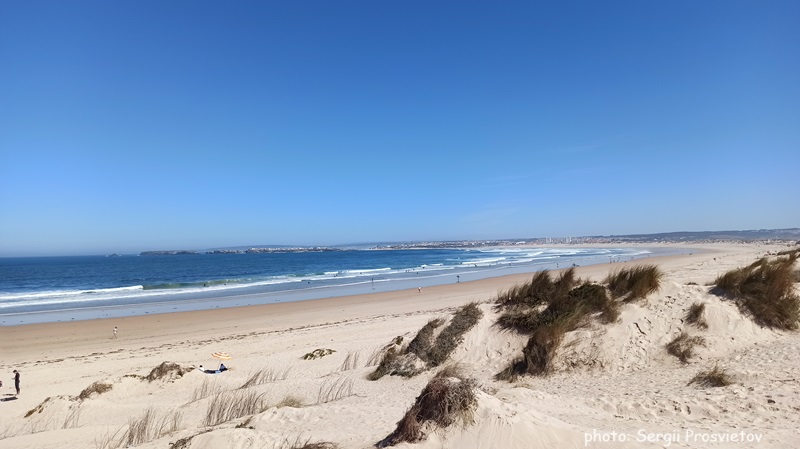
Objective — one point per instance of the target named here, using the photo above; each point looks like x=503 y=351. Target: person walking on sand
x=16 y=380
x=115 y=332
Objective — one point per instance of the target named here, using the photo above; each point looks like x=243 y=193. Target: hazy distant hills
x=789 y=235
x=691 y=236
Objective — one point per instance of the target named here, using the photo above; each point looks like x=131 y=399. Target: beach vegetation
x=451 y=336
x=683 y=346
x=634 y=283
x=428 y=350
x=96 y=387
x=300 y=443
x=564 y=312
x=264 y=376
x=350 y=361
x=335 y=389
x=39 y=408
x=185 y=442
x=206 y=389
x=166 y=370
x=72 y=420
x=448 y=399
x=318 y=353
x=422 y=343
x=228 y=406
x=764 y=290
x=695 y=316
x=715 y=377
x=149 y=426
x=539 y=290
x=290 y=401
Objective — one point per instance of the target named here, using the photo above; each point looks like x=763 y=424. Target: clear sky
x=141 y=125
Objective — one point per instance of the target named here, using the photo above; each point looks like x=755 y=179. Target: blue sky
x=128 y=126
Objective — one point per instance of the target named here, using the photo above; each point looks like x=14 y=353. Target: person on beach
x=115 y=332
x=419 y=289
x=16 y=380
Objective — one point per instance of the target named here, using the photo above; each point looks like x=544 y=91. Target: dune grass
x=148 y=427
x=564 y=313
x=449 y=398
x=228 y=406
x=695 y=316
x=206 y=389
x=634 y=283
x=422 y=343
x=713 y=378
x=539 y=290
x=265 y=376
x=428 y=350
x=350 y=361
x=683 y=346
x=335 y=389
x=96 y=387
x=764 y=290
x=451 y=336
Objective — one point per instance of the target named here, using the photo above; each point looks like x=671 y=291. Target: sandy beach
x=615 y=386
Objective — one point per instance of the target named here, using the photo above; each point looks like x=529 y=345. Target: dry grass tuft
x=39 y=408
x=714 y=377
x=333 y=390
x=166 y=370
x=97 y=387
x=264 y=376
x=765 y=291
x=634 y=283
x=232 y=405
x=290 y=401
x=299 y=443
x=350 y=361
x=695 y=316
x=683 y=346
x=149 y=426
x=449 y=398
x=206 y=389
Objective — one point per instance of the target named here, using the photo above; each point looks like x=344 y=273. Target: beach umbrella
x=221 y=355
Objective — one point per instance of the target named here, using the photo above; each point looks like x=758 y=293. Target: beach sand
x=615 y=387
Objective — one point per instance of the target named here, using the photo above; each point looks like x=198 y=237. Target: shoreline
x=149 y=328
x=244 y=295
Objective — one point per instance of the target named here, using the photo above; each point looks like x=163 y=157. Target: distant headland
x=760 y=235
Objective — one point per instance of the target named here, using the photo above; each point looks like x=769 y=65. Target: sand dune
x=613 y=386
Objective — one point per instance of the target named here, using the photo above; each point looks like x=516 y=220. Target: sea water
x=46 y=289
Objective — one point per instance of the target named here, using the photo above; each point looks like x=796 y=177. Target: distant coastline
x=697 y=237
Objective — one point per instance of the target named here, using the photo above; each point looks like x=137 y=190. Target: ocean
x=47 y=289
